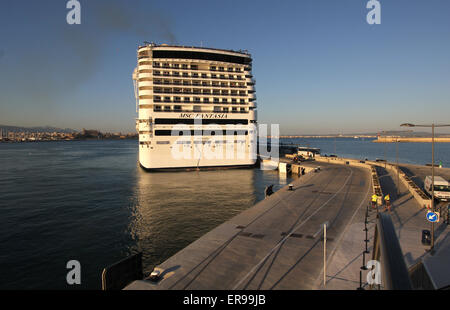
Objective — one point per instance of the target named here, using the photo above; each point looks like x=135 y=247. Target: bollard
x=360 y=281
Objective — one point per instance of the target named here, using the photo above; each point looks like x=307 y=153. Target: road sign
x=433 y=217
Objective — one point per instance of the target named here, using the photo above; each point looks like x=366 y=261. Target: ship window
x=203 y=56
x=157 y=108
x=176 y=65
x=167 y=108
x=196 y=99
x=221 y=68
x=216 y=100
x=206 y=100
x=184 y=66
x=197 y=108
x=177 y=108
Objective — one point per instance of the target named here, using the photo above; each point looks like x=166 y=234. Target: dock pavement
x=276 y=244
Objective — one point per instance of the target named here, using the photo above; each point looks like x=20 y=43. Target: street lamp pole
x=432 y=168
x=432 y=184
x=398 y=172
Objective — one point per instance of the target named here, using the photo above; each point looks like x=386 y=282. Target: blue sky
x=319 y=67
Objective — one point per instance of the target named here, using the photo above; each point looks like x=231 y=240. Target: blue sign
x=432 y=216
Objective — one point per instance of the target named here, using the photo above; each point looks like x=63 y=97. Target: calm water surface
x=90 y=201
x=411 y=153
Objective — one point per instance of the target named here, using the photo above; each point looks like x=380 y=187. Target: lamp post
x=398 y=169
x=432 y=126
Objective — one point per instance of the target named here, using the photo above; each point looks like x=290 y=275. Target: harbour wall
x=422 y=199
x=405 y=139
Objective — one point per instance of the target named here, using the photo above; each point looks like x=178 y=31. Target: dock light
x=155 y=275
x=291 y=187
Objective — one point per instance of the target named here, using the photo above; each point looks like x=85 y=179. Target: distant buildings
x=25 y=136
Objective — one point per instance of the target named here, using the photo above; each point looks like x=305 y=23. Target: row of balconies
x=205 y=98
x=194 y=67
x=193 y=76
x=184 y=66
x=158 y=108
x=195 y=100
x=198 y=83
x=197 y=91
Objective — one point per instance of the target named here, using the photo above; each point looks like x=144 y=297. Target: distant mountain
x=6 y=128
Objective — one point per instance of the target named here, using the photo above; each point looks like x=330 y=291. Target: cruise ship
x=196 y=107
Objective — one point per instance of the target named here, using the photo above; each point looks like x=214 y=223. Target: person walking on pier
x=374 y=201
x=387 y=201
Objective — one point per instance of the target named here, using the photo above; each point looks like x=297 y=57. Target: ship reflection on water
x=175 y=208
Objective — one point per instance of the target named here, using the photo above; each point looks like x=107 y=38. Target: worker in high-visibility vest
x=387 y=201
x=374 y=201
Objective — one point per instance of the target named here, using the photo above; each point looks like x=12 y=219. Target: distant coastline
x=412 y=139
x=47 y=136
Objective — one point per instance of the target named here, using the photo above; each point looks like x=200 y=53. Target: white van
x=441 y=187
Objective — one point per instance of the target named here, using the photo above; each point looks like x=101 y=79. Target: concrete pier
x=277 y=244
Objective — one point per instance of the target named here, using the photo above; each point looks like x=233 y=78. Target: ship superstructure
x=196 y=107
